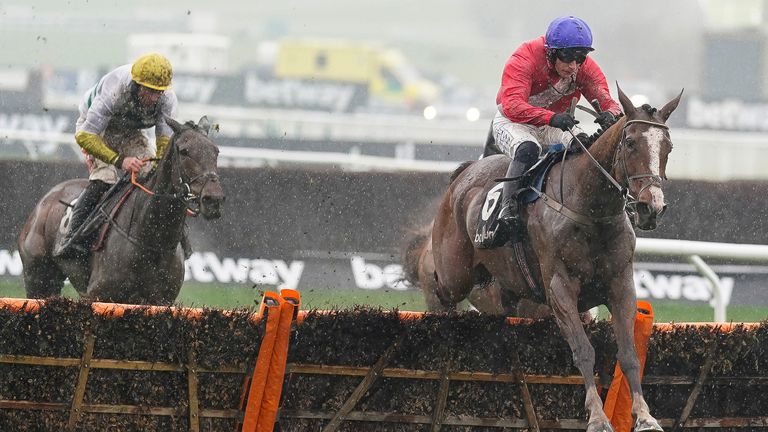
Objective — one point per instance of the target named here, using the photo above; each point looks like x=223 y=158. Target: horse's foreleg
x=427 y=280
x=563 y=300
x=42 y=278
x=622 y=304
x=453 y=276
x=453 y=253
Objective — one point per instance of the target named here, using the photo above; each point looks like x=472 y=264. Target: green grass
x=233 y=296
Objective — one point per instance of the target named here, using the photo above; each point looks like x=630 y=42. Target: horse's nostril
x=210 y=200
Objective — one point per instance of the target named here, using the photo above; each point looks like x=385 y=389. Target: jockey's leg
x=71 y=244
x=526 y=155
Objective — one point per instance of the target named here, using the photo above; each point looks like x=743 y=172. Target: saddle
x=489 y=233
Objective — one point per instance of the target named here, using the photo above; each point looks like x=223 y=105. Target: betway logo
x=207 y=267
x=289 y=93
x=34 y=122
x=10 y=263
x=194 y=88
x=676 y=287
x=727 y=114
x=371 y=276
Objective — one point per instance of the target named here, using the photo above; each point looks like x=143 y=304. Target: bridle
x=186 y=195
x=655 y=179
x=630 y=201
x=191 y=201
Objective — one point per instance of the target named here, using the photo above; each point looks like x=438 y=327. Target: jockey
x=113 y=114
x=538 y=83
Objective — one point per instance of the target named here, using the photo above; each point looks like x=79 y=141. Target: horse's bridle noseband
x=186 y=196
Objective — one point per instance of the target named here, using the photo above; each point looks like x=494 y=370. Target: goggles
x=567 y=55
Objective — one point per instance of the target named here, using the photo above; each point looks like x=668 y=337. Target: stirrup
x=513 y=228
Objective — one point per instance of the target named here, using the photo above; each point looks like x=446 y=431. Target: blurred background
x=374 y=96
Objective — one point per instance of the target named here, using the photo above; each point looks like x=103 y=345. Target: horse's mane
x=600 y=131
x=649 y=109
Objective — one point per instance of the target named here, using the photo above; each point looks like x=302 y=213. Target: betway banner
x=741 y=285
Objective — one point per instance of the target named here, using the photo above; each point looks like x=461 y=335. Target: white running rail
x=693 y=251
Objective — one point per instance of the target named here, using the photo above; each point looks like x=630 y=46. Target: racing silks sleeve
x=94 y=145
x=162 y=144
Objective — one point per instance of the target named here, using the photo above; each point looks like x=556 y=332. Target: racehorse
x=140 y=260
x=580 y=249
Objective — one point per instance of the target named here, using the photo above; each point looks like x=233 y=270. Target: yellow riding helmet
x=153 y=71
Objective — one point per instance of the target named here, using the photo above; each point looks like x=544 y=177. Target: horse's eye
x=630 y=143
x=184 y=152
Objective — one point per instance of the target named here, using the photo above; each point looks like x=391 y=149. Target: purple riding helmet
x=568 y=32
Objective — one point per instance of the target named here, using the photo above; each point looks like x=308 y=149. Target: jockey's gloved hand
x=563 y=121
x=605 y=119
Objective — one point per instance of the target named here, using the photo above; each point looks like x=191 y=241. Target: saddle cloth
x=488 y=233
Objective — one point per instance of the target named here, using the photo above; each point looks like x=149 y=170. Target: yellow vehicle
x=387 y=77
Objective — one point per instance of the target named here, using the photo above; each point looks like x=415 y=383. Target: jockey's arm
x=516 y=83
x=94 y=145
x=595 y=86
x=162 y=144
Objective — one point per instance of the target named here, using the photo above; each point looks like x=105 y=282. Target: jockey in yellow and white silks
x=113 y=116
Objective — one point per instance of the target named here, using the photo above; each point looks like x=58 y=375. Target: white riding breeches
x=509 y=135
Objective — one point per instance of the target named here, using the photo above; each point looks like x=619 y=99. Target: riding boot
x=71 y=245
x=525 y=157
x=509 y=214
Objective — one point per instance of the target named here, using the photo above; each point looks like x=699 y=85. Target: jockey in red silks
x=538 y=83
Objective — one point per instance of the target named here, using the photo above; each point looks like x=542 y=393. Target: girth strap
x=522 y=263
x=572 y=215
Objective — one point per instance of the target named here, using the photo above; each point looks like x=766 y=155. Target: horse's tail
x=460 y=169
x=416 y=241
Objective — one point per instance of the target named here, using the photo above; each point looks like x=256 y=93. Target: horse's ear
x=204 y=125
x=176 y=126
x=670 y=106
x=626 y=104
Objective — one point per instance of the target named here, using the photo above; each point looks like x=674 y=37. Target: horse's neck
x=160 y=216
x=595 y=191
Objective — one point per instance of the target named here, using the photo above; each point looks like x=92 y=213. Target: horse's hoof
x=600 y=426
x=648 y=425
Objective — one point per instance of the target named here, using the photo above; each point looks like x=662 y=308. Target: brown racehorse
x=579 y=242
x=141 y=260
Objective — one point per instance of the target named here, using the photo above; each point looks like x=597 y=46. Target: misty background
x=715 y=49
x=657 y=42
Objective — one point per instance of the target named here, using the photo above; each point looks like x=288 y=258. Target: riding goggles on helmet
x=567 y=55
